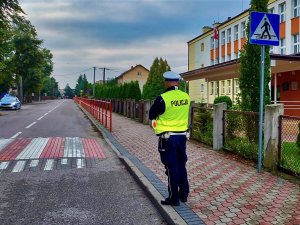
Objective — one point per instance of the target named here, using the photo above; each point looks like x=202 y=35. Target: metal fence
x=202 y=124
x=101 y=110
x=240 y=133
x=289 y=144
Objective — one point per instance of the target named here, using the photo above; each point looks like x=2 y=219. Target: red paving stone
x=230 y=186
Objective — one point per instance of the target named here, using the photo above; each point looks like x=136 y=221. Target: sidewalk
x=224 y=190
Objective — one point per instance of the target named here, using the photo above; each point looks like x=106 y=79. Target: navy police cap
x=171 y=76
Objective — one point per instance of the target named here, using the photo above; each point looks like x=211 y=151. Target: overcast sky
x=118 y=34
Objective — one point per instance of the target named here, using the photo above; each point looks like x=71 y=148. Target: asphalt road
x=46 y=191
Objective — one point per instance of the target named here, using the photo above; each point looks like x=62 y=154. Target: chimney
x=206 y=29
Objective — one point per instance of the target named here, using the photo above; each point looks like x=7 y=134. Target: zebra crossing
x=30 y=154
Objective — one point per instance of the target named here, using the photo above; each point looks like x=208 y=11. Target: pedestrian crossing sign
x=264 y=28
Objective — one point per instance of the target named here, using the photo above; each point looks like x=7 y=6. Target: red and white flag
x=216 y=33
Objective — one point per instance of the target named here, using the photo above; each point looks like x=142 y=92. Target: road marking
x=30 y=125
x=16 y=135
x=34 y=149
x=4 y=143
x=19 y=166
x=49 y=164
x=3 y=165
x=40 y=118
x=45 y=114
x=80 y=163
x=34 y=163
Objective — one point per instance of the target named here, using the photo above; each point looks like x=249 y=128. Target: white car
x=10 y=102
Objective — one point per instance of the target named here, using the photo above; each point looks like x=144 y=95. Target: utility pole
x=104 y=75
x=94 y=81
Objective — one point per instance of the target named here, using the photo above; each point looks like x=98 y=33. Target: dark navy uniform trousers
x=173 y=156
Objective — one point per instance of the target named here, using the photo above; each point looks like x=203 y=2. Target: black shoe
x=183 y=199
x=167 y=201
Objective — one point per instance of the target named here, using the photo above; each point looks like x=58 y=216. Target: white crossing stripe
x=80 y=163
x=73 y=148
x=64 y=161
x=34 y=163
x=49 y=164
x=19 y=166
x=4 y=143
x=34 y=149
x=3 y=165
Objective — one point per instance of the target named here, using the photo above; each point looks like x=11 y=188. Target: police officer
x=169 y=115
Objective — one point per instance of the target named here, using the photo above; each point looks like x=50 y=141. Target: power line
x=75 y=73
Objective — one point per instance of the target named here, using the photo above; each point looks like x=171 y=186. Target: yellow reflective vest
x=176 y=115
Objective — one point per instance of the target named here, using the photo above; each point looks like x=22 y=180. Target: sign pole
x=261 y=106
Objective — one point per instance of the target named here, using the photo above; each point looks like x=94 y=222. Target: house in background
x=135 y=73
x=213 y=58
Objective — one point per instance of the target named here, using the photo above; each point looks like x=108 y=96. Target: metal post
x=94 y=81
x=261 y=107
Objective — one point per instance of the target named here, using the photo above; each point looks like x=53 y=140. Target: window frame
x=282 y=46
x=295 y=8
x=228 y=86
x=229 y=35
x=243 y=29
x=282 y=12
x=236 y=32
x=296 y=43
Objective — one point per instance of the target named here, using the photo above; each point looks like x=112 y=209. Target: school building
x=213 y=65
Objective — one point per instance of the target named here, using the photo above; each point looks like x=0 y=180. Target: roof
x=221 y=24
x=221 y=68
x=132 y=68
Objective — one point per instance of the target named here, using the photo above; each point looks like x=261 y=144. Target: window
x=271 y=10
x=201 y=87
x=212 y=85
x=282 y=46
x=243 y=29
x=211 y=43
x=296 y=8
x=272 y=49
x=282 y=8
x=228 y=57
x=236 y=32
x=211 y=62
x=202 y=47
x=223 y=86
x=223 y=59
x=228 y=86
x=236 y=85
x=202 y=65
x=139 y=73
x=296 y=43
x=223 y=38
x=236 y=55
x=229 y=35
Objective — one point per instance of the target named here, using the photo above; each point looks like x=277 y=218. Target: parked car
x=10 y=102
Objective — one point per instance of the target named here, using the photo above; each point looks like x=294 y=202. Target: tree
x=8 y=8
x=249 y=78
x=68 y=91
x=155 y=82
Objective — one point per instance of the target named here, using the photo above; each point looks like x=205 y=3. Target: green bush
x=226 y=99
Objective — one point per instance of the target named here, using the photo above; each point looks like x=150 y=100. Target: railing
x=289 y=144
x=101 y=110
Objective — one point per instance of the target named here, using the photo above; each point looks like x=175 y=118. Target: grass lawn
x=291 y=156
